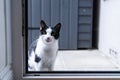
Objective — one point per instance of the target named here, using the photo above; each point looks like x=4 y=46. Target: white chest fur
x=46 y=49
x=47 y=53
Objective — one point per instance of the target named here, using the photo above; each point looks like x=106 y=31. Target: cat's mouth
x=47 y=40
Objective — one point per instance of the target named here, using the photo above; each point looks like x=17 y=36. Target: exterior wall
x=109 y=29
x=5 y=41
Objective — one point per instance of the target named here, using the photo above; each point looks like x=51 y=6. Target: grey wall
x=76 y=17
x=53 y=12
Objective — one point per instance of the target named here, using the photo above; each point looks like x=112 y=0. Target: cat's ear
x=57 y=27
x=42 y=24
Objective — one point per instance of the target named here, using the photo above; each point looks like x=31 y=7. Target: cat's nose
x=48 y=39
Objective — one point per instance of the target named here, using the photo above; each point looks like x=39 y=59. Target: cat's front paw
x=37 y=58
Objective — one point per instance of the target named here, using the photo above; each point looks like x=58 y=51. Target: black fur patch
x=54 y=33
x=37 y=59
x=43 y=30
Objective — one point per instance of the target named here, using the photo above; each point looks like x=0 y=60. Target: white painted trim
x=8 y=30
x=2 y=36
x=6 y=73
x=96 y=77
x=5 y=41
x=9 y=76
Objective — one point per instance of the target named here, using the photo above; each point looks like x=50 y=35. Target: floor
x=83 y=60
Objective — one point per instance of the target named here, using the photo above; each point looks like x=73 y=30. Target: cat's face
x=49 y=34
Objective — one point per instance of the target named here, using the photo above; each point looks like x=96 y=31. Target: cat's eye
x=43 y=32
x=53 y=33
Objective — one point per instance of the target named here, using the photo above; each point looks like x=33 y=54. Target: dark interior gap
x=95 y=31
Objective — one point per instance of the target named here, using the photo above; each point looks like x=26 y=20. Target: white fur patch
x=49 y=31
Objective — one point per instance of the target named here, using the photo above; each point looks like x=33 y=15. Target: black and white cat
x=42 y=52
